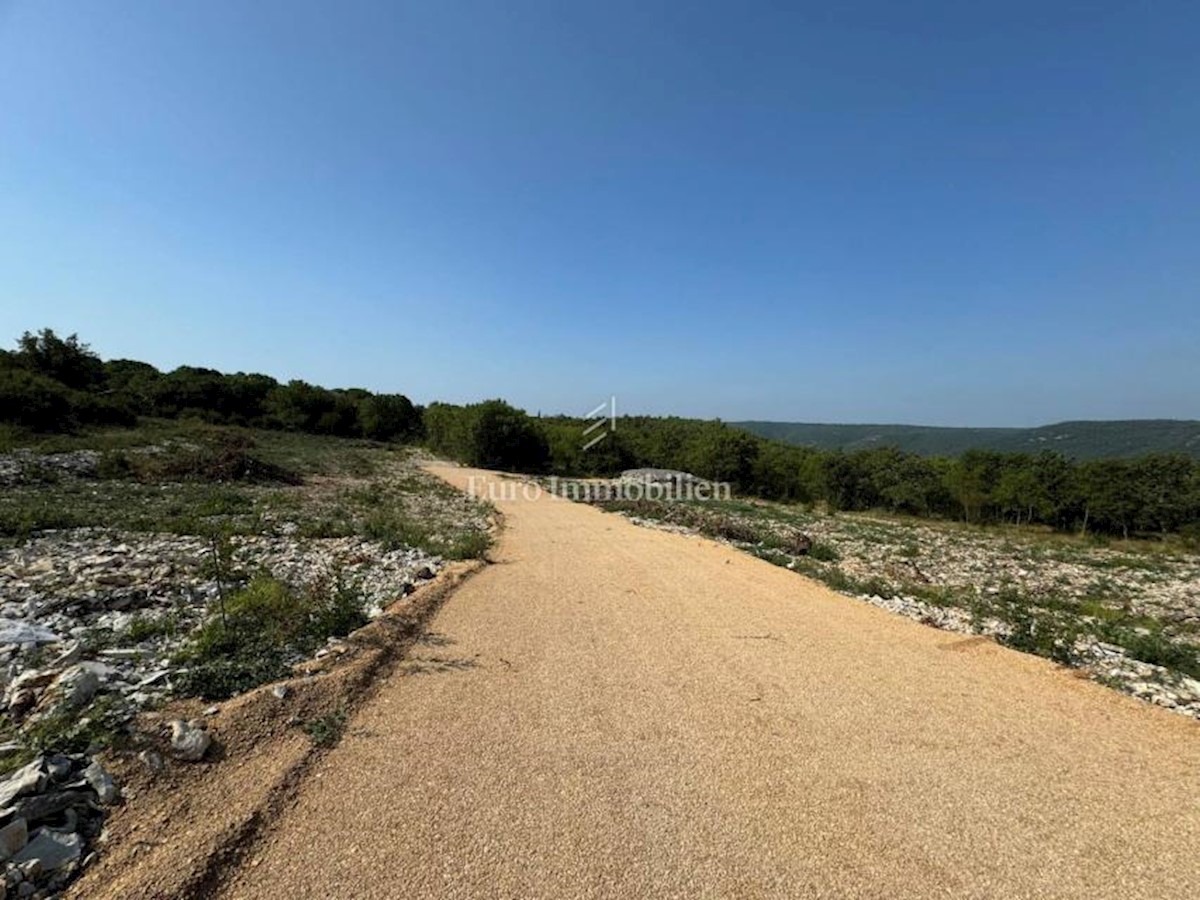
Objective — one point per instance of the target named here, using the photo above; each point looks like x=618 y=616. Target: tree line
x=51 y=384
x=54 y=384
x=1153 y=494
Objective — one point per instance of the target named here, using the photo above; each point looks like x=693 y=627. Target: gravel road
x=610 y=711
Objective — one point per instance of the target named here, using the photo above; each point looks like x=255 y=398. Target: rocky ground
x=93 y=618
x=1127 y=613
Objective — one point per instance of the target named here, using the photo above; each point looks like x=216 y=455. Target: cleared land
x=616 y=711
x=1127 y=612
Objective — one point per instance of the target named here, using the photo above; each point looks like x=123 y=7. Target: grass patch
x=145 y=628
x=393 y=528
x=103 y=724
x=823 y=552
x=1151 y=645
x=262 y=630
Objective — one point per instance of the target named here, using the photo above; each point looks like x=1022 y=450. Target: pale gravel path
x=642 y=714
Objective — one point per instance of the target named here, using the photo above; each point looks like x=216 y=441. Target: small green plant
x=980 y=611
x=326 y=730
x=67 y=731
x=145 y=628
x=823 y=552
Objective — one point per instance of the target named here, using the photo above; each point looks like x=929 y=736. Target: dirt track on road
x=612 y=711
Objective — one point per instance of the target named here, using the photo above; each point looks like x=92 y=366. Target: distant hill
x=1080 y=440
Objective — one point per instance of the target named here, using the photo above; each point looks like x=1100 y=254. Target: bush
x=33 y=401
x=732 y=530
x=506 y=438
x=223 y=457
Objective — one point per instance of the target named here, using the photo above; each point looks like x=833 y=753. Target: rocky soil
x=90 y=622
x=93 y=619
x=52 y=810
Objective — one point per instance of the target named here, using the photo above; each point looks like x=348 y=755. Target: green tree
x=503 y=437
x=65 y=360
x=385 y=417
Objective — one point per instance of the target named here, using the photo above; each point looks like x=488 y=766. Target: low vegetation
x=208 y=558
x=259 y=632
x=195 y=478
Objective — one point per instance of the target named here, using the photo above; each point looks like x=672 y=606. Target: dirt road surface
x=611 y=711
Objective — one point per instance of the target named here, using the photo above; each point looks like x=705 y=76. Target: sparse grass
x=130 y=506
x=262 y=630
x=1151 y=645
x=144 y=628
x=192 y=478
x=103 y=724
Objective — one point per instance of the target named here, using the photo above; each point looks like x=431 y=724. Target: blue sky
x=943 y=212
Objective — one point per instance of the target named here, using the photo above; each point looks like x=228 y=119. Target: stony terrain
x=114 y=608
x=93 y=618
x=1129 y=614
x=622 y=712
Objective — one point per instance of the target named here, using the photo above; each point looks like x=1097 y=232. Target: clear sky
x=949 y=213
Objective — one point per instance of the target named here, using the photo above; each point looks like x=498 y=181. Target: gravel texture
x=612 y=711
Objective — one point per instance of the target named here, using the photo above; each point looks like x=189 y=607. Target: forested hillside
x=1076 y=440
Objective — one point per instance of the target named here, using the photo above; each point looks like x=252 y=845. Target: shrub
x=33 y=401
x=114 y=465
x=732 y=530
x=503 y=437
x=224 y=456
x=823 y=552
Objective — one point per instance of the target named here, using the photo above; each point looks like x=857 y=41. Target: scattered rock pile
x=1108 y=662
x=24 y=466
x=51 y=811
x=91 y=620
